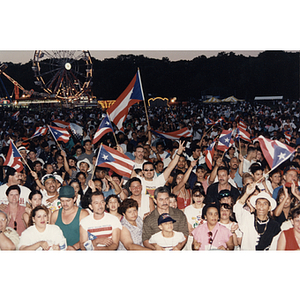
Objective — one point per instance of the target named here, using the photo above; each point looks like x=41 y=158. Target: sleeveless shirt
x=70 y=231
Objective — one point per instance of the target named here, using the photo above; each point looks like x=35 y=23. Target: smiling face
x=40 y=219
x=148 y=171
x=262 y=208
x=212 y=216
x=13 y=197
x=50 y=185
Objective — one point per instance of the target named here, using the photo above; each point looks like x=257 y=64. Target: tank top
x=183 y=202
x=291 y=243
x=70 y=231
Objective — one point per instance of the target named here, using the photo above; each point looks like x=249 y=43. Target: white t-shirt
x=144 y=208
x=53 y=235
x=103 y=227
x=56 y=204
x=167 y=242
x=25 y=191
x=150 y=186
x=193 y=215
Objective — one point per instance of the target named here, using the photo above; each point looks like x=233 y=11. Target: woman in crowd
x=286 y=200
x=81 y=177
x=180 y=187
x=290 y=239
x=211 y=235
x=40 y=235
x=131 y=234
x=34 y=199
x=78 y=190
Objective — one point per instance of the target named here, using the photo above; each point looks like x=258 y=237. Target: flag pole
x=96 y=162
x=21 y=155
x=143 y=98
x=54 y=138
x=112 y=131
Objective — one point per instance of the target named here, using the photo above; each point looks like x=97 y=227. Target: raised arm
x=174 y=161
x=185 y=178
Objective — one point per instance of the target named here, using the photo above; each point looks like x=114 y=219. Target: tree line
x=271 y=73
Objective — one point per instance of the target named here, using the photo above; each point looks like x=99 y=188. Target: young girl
x=193 y=213
x=227 y=219
x=34 y=199
x=112 y=206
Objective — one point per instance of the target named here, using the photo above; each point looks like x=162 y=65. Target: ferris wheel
x=63 y=74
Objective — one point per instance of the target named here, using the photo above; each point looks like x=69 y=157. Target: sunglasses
x=197 y=195
x=210 y=240
x=149 y=170
x=224 y=195
x=15 y=225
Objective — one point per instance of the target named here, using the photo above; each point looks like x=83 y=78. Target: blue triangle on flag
x=104 y=157
x=137 y=89
x=280 y=155
x=91 y=236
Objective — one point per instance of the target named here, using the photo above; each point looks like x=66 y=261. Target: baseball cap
x=46 y=177
x=165 y=217
x=66 y=192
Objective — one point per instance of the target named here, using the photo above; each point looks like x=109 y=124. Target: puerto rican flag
x=61 y=124
x=209 y=154
x=221 y=120
x=243 y=134
x=60 y=134
x=242 y=125
x=210 y=122
x=40 y=131
x=13 y=158
x=287 y=136
x=132 y=94
x=275 y=152
x=115 y=160
x=225 y=140
x=174 y=135
x=15 y=116
x=104 y=127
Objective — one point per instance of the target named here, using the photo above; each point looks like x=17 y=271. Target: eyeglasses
x=15 y=225
x=147 y=170
x=210 y=240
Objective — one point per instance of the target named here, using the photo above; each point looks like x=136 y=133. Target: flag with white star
x=115 y=160
x=60 y=134
x=104 y=127
x=275 y=152
x=225 y=140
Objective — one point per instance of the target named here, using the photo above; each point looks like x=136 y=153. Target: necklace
x=256 y=227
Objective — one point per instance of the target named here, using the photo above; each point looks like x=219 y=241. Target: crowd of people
x=173 y=200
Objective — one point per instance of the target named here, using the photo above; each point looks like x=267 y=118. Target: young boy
x=173 y=201
x=166 y=239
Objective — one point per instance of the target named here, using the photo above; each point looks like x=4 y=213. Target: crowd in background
x=171 y=201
